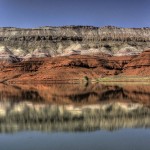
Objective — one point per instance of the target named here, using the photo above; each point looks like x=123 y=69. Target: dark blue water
x=125 y=139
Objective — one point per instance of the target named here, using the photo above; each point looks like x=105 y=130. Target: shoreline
x=114 y=79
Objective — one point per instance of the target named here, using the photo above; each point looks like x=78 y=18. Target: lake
x=73 y=116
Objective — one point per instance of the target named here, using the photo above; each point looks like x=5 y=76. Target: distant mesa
x=73 y=52
x=57 y=41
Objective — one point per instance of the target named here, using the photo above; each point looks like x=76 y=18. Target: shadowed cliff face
x=51 y=41
x=79 y=108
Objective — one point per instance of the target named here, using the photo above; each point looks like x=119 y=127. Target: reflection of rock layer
x=44 y=117
x=76 y=94
x=82 y=108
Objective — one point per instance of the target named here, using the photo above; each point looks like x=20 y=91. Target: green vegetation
x=86 y=79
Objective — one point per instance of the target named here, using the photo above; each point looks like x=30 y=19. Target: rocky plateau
x=72 y=52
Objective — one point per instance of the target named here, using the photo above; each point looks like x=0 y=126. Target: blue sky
x=35 y=13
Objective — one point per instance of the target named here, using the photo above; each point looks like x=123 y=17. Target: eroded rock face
x=6 y=56
x=86 y=39
x=75 y=67
x=139 y=65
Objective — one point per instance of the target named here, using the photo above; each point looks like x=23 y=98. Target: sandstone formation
x=87 y=40
x=140 y=65
x=7 y=56
x=82 y=51
x=72 y=68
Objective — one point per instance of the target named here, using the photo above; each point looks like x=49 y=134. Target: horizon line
x=47 y=26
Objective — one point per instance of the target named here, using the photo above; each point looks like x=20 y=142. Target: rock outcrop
x=82 y=51
x=139 y=65
x=7 y=56
x=86 y=39
x=75 y=67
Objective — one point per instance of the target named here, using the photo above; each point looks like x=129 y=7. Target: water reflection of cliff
x=76 y=94
x=73 y=107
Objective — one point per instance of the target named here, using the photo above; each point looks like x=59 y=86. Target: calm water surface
x=77 y=117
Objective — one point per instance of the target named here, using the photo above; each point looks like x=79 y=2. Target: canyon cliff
x=73 y=53
x=53 y=41
x=73 y=68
